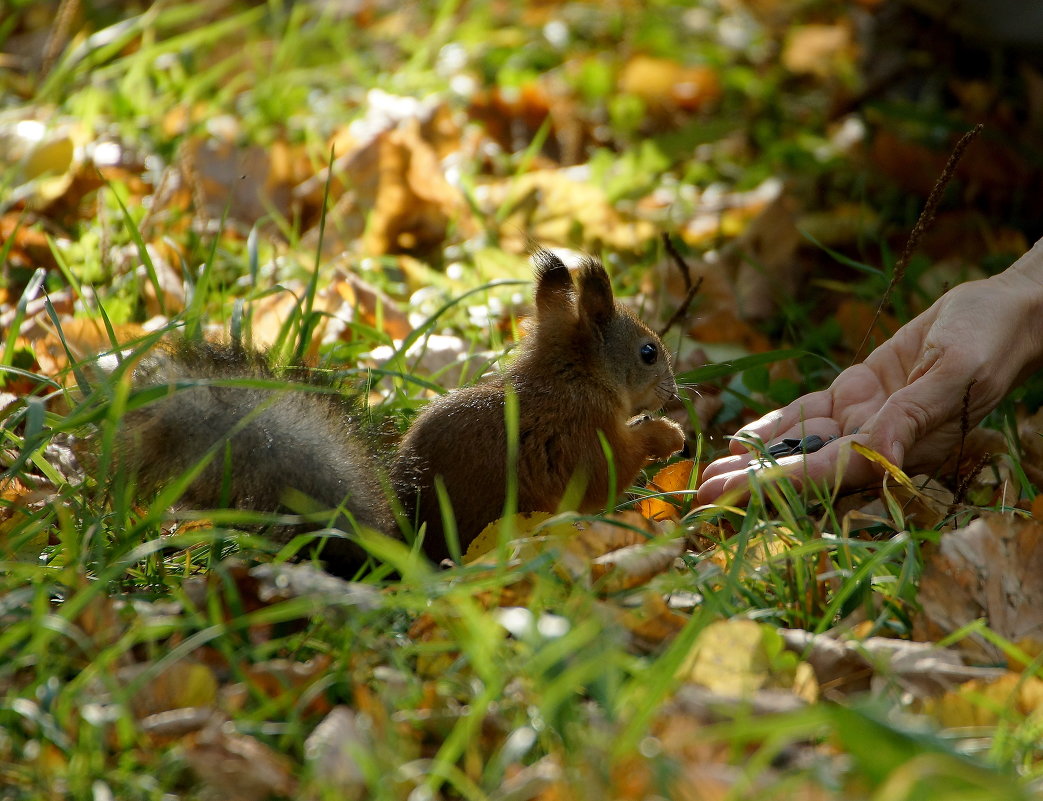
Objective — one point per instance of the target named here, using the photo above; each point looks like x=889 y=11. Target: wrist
x=1027 y=271
x=1023 y=283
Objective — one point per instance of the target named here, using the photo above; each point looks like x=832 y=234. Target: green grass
x=476 y=682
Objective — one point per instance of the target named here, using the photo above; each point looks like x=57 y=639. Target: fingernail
x=898 y=453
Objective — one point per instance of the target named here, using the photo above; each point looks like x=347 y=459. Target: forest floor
x=356 y=185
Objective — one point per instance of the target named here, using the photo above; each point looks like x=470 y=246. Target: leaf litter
x=398 y=192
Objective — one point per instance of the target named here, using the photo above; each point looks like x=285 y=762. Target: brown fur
x=291 y=446
x=580 y=372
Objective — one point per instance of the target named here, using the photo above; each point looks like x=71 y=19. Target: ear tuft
x=596 y=303
x=554 y=289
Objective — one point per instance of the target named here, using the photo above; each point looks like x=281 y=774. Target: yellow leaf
x=738 y=657
x=985 y=703
x=895 y=472
x=488 y=538
x=182 y=684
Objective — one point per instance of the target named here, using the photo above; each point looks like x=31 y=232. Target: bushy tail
x=265 y=443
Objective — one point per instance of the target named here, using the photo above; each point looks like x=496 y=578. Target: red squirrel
x=585 y=370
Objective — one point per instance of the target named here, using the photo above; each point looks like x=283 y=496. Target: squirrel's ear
x=554 y=288
x=596 y=302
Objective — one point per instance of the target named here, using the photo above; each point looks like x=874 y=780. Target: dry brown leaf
x=281 y=680
x=653 y=623
x=991 y=569
x=848 y=666
x=414 y=202
x=388 y=184
x=616 y=552
x=513 y=116
x=30 y=248
x=368 y=303
x=183 y=684
x=249 y=182
x=763 y=259
x=342 y=299
x=675 y=478
x=823 y=51
x=990 y=167
x=666 y=86
x=633 y=565
x=16 y=500
x=714 y=315
x=923 y=507
x=333 y=750
x=171 y=725
x=549 y=206
x=855 y=316
x=237 y=767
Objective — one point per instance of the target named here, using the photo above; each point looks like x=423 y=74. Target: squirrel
x=584 y=371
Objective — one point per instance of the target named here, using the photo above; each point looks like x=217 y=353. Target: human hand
x=906 y=400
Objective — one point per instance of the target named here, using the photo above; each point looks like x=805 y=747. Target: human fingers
x=733 y=475
x=773 y=424
x=826 y=428
x=835 y=462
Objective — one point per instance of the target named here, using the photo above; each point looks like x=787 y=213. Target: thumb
x=905 y=419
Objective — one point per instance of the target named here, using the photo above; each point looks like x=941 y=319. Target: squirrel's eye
x=649 y=353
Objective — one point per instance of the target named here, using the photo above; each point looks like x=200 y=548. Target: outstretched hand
x=906 y=400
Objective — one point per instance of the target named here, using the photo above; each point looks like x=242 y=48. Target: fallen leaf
x=652 y=624
x=522 y=525
x=738 y=657
x=553 y=206
x=855 y=318
x=634 y=565
x=246 y=183
x=849 y=666
x=414 y=202
x=39 y=158
x=237 y=767
x=334 y=750
x=513 y=116
x=183 y=684
x=284 y=682
x=892 y=470
x=823 y=51
x=763 y=259
x=30 y=248
x=665 y=85
x=675 y=478
x=991 y=569
x=1009 y=698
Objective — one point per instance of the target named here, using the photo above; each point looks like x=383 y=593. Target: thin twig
x=59 y=35
x=961 y=493
x=679 y=262
x=965 y=427
x=922 y=224
x=691 y=290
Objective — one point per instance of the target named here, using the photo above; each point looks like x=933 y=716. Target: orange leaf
x=675 y=478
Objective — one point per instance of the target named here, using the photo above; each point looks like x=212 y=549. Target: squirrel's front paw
x=663 y=437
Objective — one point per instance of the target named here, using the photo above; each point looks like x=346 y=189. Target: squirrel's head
x=581 y=324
